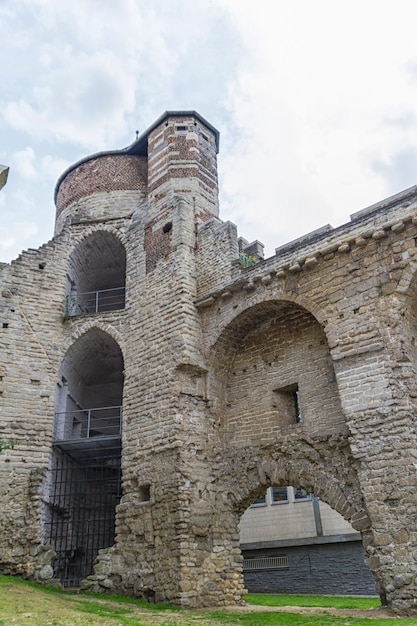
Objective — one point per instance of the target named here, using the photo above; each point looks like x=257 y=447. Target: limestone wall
x=213 y=353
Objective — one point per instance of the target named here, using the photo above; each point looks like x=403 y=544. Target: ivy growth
x=246 y=260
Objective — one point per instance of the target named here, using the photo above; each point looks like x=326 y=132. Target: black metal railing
x=87 y=423
x=95 y=301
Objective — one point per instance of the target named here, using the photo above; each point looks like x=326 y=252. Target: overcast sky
x=315 y=101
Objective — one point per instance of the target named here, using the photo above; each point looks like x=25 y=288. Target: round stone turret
x=103 y=185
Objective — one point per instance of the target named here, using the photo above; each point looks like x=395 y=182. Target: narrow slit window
x=287 y=402
x=144 y=493
x=297 y=406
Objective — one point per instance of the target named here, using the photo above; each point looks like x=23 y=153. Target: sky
x=315 y=102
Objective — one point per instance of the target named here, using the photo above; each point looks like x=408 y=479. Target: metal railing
x=95 y=301
x=87 y=423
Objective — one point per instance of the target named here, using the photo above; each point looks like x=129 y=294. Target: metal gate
x=80 y=515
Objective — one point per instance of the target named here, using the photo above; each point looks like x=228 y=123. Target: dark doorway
x=85 y=489
x=82 y=487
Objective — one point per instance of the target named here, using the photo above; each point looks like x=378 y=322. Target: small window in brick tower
x=287 y=402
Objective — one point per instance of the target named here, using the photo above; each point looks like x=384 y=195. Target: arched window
x=96 y=276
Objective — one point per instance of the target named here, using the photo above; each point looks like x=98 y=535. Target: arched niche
x=96 y=275
x=273 y=374
x=90 y=388
x=408 y=310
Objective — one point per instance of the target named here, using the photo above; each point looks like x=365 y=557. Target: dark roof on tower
x=140 y=146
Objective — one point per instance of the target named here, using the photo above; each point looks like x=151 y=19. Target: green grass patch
x=25 y=603
x=337 y=602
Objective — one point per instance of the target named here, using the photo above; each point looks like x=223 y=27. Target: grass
x=27 y=604
x=336 y=602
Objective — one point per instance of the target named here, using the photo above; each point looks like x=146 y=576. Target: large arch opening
x=82 y=488
x=96 y=275
x=293 y=542
x=282 y=427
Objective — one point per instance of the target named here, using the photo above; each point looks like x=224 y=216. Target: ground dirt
x=378 y=613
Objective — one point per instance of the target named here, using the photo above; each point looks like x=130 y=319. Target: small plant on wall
x=7 y=445
x=246 y=260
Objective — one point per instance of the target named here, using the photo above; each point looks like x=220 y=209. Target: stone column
x=380 y=414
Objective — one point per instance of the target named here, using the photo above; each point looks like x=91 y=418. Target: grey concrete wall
x=333 y=568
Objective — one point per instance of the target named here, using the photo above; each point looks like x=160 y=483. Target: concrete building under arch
x=152 y=357
x=293 y=542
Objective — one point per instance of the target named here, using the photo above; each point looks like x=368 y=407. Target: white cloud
x=15 y=237
x=23 y=161
x=314 y=100
x=93 y=60
x=86 y=73
x=51 y=167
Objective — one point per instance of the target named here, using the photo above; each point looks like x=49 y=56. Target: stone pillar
x=210 y=556
x=380 y=414
x=171 y=545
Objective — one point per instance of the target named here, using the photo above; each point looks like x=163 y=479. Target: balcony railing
x=95 y=301
x=88 y=423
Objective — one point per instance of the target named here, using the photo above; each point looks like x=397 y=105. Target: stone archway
x=278 y=412
x=83 y=482
x=272 y=357
x=294 y=542
x=267 y=351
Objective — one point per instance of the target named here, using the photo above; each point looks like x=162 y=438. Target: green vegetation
x=7 y=445
x=28 y=604
x=337 y=602
x=246 y=260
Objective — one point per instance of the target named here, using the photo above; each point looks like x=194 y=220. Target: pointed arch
x=83 y=484
x=96 y=275
x=91 y=377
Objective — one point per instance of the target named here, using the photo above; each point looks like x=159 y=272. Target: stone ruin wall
x=359 y=283
x=207 y=347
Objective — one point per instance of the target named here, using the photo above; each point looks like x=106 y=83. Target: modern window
x=279 y=495
x=260 y=501
x=300 y=494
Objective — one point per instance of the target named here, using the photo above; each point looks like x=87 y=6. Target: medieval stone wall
x=213 y=353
